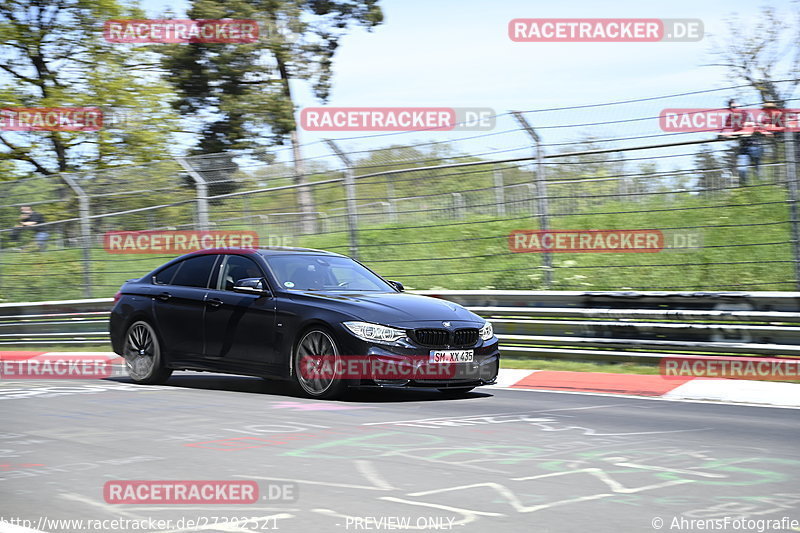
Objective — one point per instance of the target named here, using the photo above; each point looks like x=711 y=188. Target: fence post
x=499 y=192
x=350 y=197
x=86 y=232
x=541 y=194
x=201 y=195
x=791 y=178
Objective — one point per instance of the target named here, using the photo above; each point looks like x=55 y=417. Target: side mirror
x=397 y=285
x=257 y=286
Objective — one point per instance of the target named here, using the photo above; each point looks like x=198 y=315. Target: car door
x=239 y=328
x=179 y=306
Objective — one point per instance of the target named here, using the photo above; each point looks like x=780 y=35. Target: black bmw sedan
x=320 y=319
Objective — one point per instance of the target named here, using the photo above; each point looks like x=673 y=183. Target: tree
x=588 y=179
x=710 y=169
x=53 y=54
x=244 y=91
x=764 y=54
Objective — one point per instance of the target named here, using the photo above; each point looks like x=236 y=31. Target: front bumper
x=420 y=373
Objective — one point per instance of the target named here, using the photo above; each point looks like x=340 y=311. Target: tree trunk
x=305 y=200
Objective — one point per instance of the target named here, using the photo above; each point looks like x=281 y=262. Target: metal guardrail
x=637 y=327
x=35 y=324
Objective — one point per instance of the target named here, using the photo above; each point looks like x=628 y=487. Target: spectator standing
x=749 y=151
x=29 y=219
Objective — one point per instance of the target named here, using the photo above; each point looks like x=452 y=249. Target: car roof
x=267 y=252
x=288 y=250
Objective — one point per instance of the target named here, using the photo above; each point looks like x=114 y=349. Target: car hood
x=390 y=308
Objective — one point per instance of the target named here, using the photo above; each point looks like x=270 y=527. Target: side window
x=195 y=271
x=239 y=267
x=165 y=276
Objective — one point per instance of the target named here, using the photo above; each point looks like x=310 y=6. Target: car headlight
x=487 y=331
x=374 y=332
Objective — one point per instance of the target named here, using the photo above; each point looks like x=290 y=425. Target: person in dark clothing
x=740 y=125
x=29 y=219
x=750 y=147
x=736 y=118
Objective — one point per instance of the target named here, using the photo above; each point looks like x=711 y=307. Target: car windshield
x=324 y=273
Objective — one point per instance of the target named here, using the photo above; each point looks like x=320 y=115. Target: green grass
x=480 y=251
x=576 y=366
x=57 y=348
x=472 y=253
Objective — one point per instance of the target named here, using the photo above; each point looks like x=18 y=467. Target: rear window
x=164 y=277
x=194 y=272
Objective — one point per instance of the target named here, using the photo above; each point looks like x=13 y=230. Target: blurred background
x=203 y=136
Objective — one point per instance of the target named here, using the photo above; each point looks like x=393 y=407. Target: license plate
x=451 y=356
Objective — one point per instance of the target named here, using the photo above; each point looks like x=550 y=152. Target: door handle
x=164 y=296
x=214 y=302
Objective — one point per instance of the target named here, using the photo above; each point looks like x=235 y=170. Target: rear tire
x=142 y=353
x=316 y=346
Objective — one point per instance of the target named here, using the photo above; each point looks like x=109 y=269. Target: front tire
x=142 y=353
x=317 y=347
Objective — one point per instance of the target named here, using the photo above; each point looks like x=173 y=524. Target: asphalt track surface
x=494 y=461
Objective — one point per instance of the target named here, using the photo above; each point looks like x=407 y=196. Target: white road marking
x=654 y=398
x=324 y=483
x=613 y=484
x=435 y=418
x=512 y=498
x=492 y=414
x=368 y=470
x=738 y=391
x=112 y=509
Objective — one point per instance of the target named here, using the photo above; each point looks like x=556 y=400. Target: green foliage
x=54 y=55
x=244 y=88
